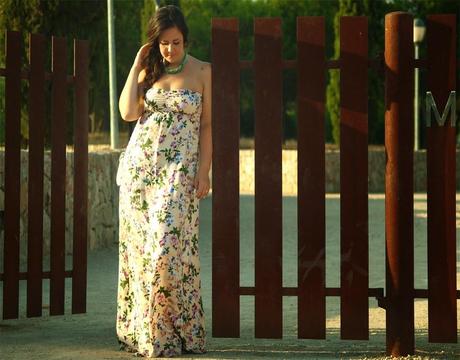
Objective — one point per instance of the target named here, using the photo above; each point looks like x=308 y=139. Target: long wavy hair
x=164 y=18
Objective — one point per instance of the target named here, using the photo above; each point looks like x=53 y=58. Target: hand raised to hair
x=144 y=49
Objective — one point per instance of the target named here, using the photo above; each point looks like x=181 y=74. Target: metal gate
x=311 y=65
x=37 y=76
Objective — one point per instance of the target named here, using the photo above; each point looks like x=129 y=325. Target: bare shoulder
x=206 y=70
x=203 y=68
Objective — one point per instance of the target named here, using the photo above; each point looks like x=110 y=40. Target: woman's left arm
x=202 y=183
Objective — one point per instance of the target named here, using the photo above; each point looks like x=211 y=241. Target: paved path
x=91 y=336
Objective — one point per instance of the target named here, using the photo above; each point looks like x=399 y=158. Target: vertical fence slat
x=225 y=178
x=399 y=206
x=268 y=191
x=80 y=203
x=354 y=274
x=58 y=176
x=311 y=277
x=35 y=186
x=441 y=74
x=12 y=174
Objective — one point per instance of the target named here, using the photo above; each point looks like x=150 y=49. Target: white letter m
x=431 y=104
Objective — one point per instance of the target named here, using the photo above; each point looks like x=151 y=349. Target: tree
x=128 y=40
x=71 y=19
x=346 y=8
x=87 y=19
x=199 y=14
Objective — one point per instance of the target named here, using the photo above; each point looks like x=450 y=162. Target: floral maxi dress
x=159 y=305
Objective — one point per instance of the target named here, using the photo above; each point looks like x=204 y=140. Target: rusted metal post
x=58 y=176
x=80 y=203
x=441 y=70
x=37 y=104
x=268 y=187
x=399 y=143
x=354 y=238
x=311 y=206
x=12 y=175
x=225 y=178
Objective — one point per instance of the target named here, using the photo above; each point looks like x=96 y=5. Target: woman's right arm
x=130 y=104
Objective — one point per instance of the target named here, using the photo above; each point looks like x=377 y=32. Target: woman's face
x=171 y=42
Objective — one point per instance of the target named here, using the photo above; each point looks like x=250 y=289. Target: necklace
x=178 y=68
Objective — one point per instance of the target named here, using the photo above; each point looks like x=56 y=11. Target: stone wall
x=376 y=171
x=102 y=202
x=103 y=191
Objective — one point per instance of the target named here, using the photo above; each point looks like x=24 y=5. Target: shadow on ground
x=91 y=336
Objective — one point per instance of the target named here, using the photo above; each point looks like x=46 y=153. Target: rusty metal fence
x=37 y=77
x=397 y=66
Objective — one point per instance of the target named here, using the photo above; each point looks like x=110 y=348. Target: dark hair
x=164 y=18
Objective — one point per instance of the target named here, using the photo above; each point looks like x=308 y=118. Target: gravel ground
x=91 y=336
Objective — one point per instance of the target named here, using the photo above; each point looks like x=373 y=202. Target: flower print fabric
x=159 y=305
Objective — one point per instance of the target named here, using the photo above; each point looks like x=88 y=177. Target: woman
x=162 y=175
